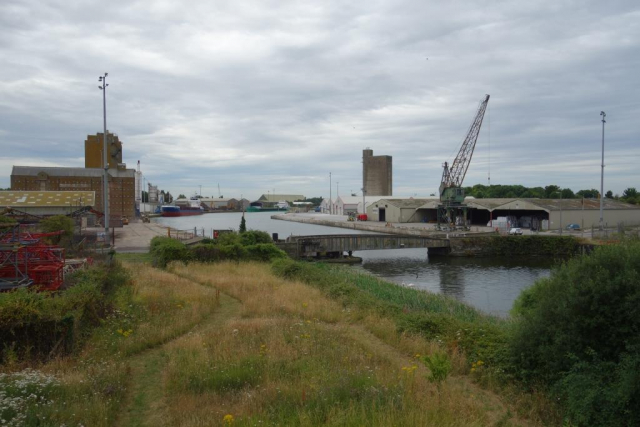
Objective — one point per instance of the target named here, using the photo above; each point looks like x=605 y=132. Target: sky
x=263 y=96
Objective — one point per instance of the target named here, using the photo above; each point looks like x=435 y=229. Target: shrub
x=7 y=220
x=40 y=324
x=264 y=252
x=578 y=333
x=439 y=366
x=57 y=223
x=254 y=237
x=165 y=249
x=234 y=252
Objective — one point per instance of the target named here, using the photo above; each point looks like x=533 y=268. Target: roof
x=59 y=171
x=405 y=203
x=32 y=199
x=542 y=204
x=216 y=199
x=279 y=197
x=577 y=204
x=353 y=200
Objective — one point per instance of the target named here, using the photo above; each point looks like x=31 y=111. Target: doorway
x=382 y=215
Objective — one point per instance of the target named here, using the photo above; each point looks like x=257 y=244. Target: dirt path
x=146 y=398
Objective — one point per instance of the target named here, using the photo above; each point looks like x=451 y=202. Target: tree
x=243 y=225
x=567 y=193
x=58 y=223
x=577 y=332
x=182 y=196
x=550 y=191
x=609 y=194
x=630 y=192
x=589 y=194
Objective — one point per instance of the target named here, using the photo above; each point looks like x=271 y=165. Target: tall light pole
x=105 y=163
x=604 y=115
x=330 y=196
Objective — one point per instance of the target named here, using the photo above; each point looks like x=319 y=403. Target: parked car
x=572 y=227
x=515 y=232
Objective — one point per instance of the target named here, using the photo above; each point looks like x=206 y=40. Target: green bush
x=264 y=252
x=234 y=252
x=578 y=333
x=40 y=324
x=165 y=249
x=58 y=223
x=254 y=237
x=7 y=220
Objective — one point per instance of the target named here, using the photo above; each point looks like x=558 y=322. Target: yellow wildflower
x=228 y=419
x=305 y=305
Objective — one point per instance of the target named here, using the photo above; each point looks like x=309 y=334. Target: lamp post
x=330 y=196
x=604 y=115
x=105 y=163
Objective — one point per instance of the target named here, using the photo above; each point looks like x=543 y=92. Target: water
x=490 y=284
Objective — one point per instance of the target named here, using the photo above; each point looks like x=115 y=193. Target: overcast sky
x=264 y=95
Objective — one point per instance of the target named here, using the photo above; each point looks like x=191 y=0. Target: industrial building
x=47 y=203
x=275 y=198
x=59 y=179
x=397 y=210
x=537 y=214
x=377 y=174
x=93 y=151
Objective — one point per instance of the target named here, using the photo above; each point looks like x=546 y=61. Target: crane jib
x=454 y=175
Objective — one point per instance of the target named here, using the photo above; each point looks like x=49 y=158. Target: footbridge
x=337 y=244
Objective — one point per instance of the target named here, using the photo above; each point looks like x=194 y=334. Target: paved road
x=137 y=236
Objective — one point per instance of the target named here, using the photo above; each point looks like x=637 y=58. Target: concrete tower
x=377 y=177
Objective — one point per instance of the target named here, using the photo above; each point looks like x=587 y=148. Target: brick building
x=93 y=151
x=121 y=184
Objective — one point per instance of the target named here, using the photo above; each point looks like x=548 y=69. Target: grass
x=297 y=356
x=92 y=385
x=194 y=344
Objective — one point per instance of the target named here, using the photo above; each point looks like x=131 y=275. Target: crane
x=451 y=191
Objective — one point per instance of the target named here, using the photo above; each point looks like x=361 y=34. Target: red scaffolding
x=26 y=261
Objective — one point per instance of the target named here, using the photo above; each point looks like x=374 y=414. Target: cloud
x=259 y=95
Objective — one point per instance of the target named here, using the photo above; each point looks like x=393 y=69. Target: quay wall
x=499 y=246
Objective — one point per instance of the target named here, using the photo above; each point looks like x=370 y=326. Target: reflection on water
x=490 y=284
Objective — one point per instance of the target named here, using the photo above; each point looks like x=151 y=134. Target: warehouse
x=538 y=214
x=398 y=210
x=60 y=179
x=46 y=203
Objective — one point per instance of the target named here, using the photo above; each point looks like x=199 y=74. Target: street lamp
x=105 y=176
x=604 y=115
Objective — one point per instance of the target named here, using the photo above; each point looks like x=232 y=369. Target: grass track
x=146 y=395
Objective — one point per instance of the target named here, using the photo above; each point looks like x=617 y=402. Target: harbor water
x=489 y=284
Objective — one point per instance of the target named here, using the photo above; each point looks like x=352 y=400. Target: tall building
x=93 y=153
x=377 y=178
x=121 y=184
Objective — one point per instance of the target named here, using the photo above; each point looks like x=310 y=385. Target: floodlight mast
x=105 y=163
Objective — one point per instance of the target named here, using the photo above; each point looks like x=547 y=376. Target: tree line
x=479 y=191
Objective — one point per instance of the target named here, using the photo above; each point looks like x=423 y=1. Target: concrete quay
x=402 y=229
x=136 y=237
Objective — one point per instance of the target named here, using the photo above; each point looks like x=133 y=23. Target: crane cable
x=489 y=176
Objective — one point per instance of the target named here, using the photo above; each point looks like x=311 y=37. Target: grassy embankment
x=286 y=354
x=91 y=385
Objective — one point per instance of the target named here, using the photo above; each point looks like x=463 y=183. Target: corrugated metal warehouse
x=47 y=203
x=528 y=213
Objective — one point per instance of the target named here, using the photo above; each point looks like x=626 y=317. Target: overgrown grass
x=433 y=316
x=297 y=356
x=91 y=385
